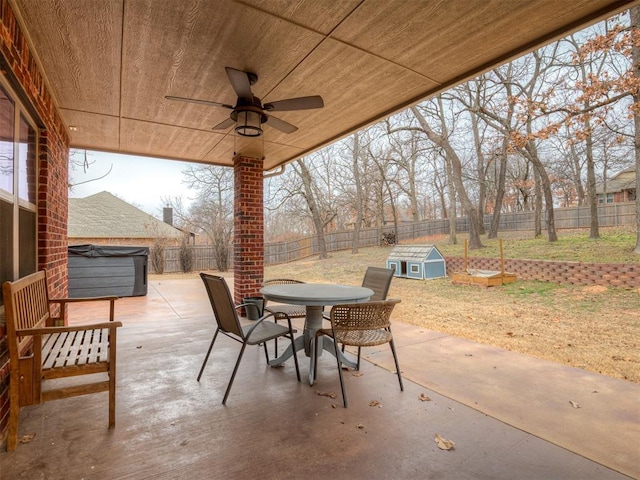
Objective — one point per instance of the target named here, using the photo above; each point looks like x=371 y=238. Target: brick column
x=248 y=223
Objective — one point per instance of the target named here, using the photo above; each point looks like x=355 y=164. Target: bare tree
x=212 y=212
x=320 y=210
x=81 y=160
x=441 y=139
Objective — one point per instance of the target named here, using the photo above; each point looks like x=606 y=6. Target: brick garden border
x=574 y=273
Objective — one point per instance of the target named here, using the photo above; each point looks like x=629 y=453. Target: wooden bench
x=41 y=354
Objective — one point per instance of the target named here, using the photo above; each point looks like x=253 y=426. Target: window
x=18 y=177
x=605 y=198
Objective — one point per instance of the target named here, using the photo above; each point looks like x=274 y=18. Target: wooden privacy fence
x=204 y=258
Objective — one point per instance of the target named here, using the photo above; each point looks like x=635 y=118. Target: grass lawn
x=595 y=328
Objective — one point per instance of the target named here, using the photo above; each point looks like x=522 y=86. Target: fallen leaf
x=360 y=426
x=574 y=404
x=374 y=403
x=326 y=394
x=27 y=438
x=509 y=334
x=139 y=346
x=424 y=398
x=443 y=443
x=357 y=374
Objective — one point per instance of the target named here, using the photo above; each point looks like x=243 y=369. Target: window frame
x=21 y=117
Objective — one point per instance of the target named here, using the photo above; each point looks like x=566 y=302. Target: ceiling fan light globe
x=248 y=123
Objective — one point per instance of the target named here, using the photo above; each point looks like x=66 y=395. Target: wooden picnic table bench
x=41 y=353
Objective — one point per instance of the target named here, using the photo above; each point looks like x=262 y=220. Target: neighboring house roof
x=625 y=180
x=104 y=215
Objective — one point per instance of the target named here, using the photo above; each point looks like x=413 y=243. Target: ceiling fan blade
x=240 y=82
x=224 y=125
x=300 y=103
x=201 y=102
x=281 y=125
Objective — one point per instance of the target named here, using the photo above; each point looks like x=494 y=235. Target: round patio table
x=315 y=296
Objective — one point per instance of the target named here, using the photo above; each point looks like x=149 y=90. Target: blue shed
x=417 y=261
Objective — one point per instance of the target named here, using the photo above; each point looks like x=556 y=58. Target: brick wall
x=248 y=246
x=52 y=161
x=575 y=273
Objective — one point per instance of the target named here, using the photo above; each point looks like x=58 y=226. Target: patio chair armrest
x=260 y=320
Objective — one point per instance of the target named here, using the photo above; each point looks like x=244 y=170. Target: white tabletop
x=316 y=294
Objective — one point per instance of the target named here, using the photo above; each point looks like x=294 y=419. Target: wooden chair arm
x=63 y=305
x=76 y=328
x=82 y=299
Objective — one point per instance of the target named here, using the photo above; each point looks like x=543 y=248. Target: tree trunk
x=537 y=209
x=594 y=231
x=500 y=191
x=545 y=183
x=453 y=238
x=359 y=199
x=480 y=172
x=577 y=175
x=309 y=196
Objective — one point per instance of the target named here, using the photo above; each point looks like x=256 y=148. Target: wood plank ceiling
x=110 y=63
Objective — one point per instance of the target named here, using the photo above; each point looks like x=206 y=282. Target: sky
x=140 y=181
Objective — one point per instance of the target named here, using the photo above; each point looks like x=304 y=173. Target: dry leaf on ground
x=443 y=443
x=326 y=394
x=424 y=398
x=27 y=438
x=375 y=403
x=574 y=404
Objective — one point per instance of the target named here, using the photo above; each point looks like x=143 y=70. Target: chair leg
x=358 y=365
x=395 y=359
x=206 y=358
x=14 y=416
x=295 y=354
x=233 y=375
x=266 y=353
x=275 y=342
x=344 y=393
x=112 y=395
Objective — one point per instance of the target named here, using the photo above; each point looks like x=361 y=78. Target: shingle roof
x=625 y=180
x=104 y=215
x=415 y=253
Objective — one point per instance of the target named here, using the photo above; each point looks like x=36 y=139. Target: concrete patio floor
x=509 y=415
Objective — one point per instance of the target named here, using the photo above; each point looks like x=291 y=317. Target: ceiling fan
x=248 y=114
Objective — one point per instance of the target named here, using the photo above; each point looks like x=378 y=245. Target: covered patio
x=509 y=415
x=95 y=75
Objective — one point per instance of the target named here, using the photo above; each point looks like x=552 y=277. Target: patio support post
x=248 y=237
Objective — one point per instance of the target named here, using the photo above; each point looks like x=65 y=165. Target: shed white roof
x=415 y=253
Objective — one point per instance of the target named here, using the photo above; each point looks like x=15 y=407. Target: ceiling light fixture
x=248 y=123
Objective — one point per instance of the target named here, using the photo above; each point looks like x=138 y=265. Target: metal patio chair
x=361 y=325
x=228 y=323
x=379 y=280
